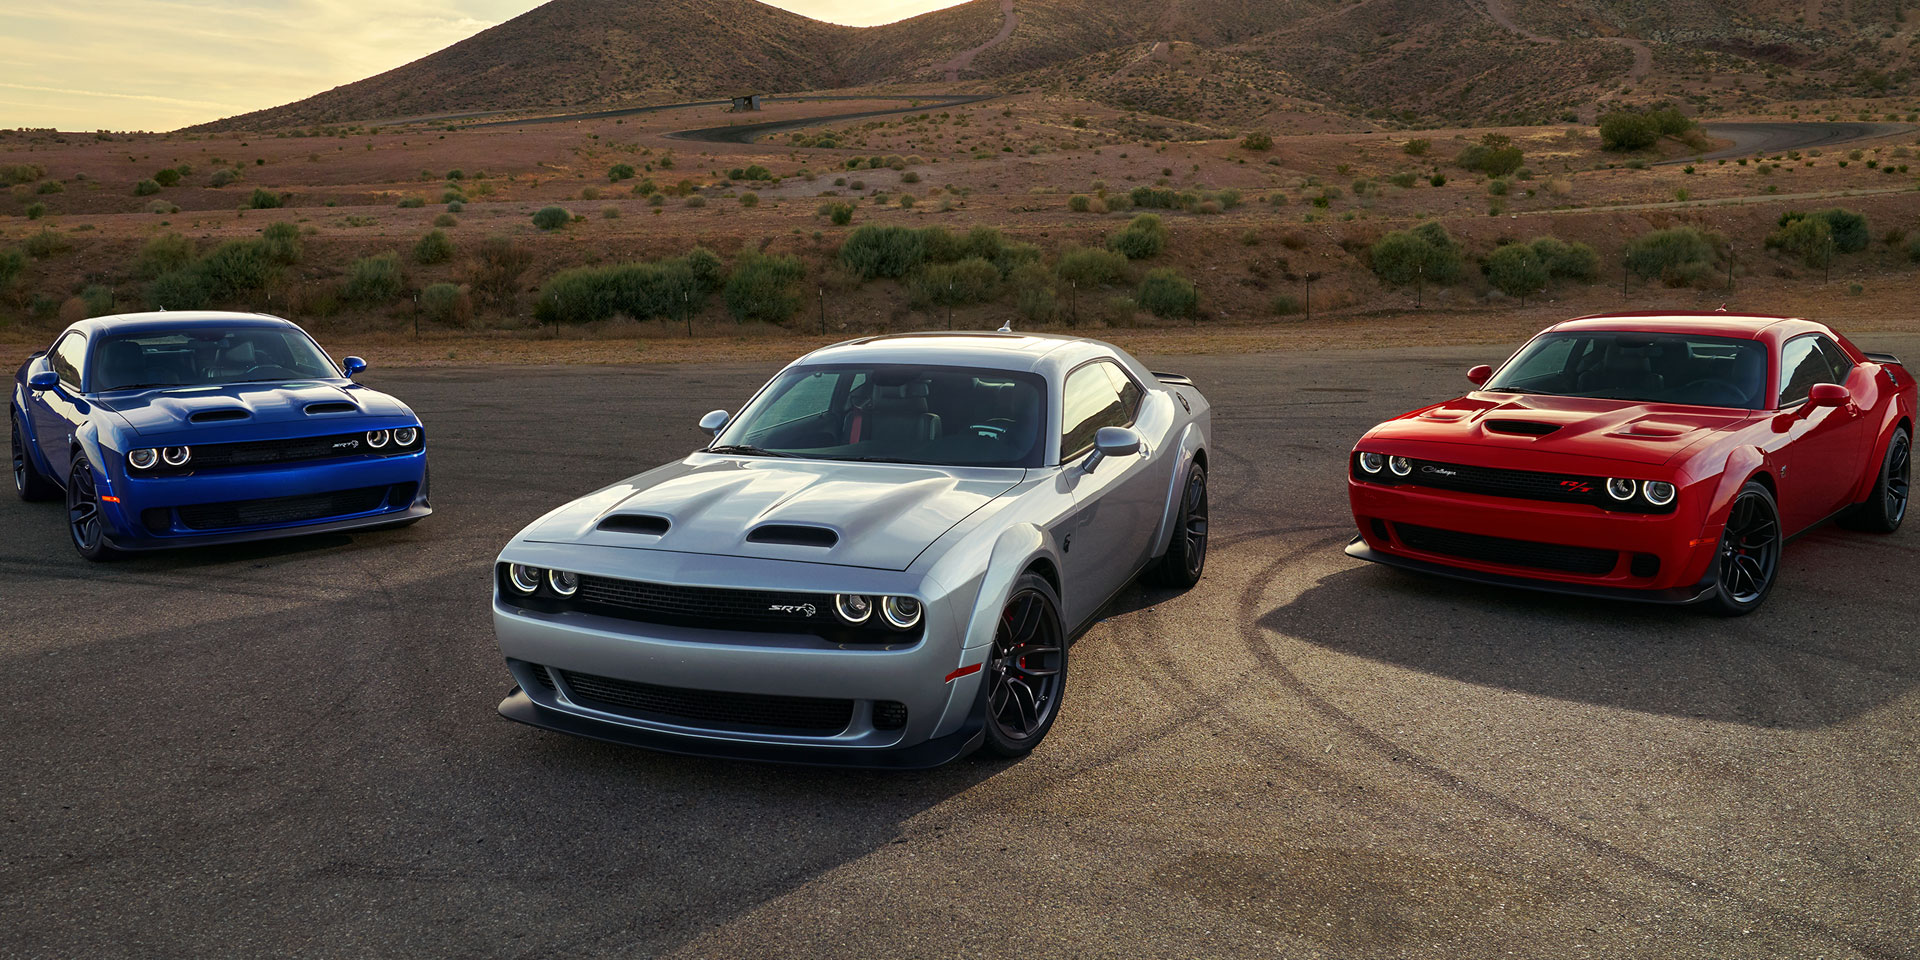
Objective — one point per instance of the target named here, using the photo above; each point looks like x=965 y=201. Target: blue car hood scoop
x=880 y=516
x=165 y=410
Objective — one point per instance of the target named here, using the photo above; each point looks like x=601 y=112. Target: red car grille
x=1514 y=553
x=1520 y=484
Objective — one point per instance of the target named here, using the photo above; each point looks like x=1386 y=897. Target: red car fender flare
x=1743 y=464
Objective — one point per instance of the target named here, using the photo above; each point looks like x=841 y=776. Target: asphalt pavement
x=291 y=750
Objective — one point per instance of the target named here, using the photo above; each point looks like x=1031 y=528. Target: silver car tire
x=1026 y=672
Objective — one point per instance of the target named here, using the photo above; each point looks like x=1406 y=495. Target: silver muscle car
x=880 y=562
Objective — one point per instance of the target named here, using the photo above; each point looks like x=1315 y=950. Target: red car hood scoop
x=1578 y=426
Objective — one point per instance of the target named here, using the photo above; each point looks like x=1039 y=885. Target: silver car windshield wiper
x=748 y=450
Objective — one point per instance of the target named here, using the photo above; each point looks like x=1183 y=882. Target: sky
x=164 y=64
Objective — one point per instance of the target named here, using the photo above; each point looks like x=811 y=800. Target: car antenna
x=1006 y=327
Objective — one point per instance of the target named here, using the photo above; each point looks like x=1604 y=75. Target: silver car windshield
x=947 y=416
x=200 y=355
x=1646 y=367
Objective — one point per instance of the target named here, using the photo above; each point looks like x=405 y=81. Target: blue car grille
x=710 y=709
x=257 y=452
x=273 y=510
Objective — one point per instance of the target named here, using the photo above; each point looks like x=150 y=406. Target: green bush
x=446 y=220
x=164 y=254
x=1088 y=266
x=13 y=263
x=620 y=171
x=1516 y=270
x=643 y=291
x=750 y=199
x=1495 y=155
x=1567 y=261
x=36 y=210
x=1416 y=147
x=166 y=177
x=1847 y=228
x=1144 y=237
x=1676 y=256
x=1033 y=293
x=178 y=290
x=264 y=199
x=47 y=243
x=145 y=188
x=409 y=203
x=221 y=178
x=456 y=174
x=433 y=247
x=162 y=207
x=13 y=173
x=281 y=242
x=1257 y=141
x=1426 y=251
x=52 y=186
x=453 y=196
x=1628 y=129
x=1497 y=188
x=1166 y=294
x=1285 y=305
x=1437 y=180
x=494 y=274
x=696 y=201
x=552 y=218
x=972 y=280
x=98 y=299
x=446 y=303
x=840 y=213
x=1079 y=203
x=373 y=279
x=236 y=267
x=881 y=251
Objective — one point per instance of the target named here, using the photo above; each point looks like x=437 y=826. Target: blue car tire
x=27 y=480
x=84 y=522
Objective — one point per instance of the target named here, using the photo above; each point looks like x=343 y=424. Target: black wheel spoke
x=1750 y=548
x=1025 y=669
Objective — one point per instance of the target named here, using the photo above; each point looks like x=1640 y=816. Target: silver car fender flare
x=1016 y=549
x=1188 y=445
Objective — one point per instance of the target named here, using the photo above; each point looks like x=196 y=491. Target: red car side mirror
x=1480 y=375
x=1829 y=395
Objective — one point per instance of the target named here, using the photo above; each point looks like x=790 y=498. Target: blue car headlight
x=143 y=458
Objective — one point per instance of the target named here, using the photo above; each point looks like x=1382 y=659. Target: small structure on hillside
x=751 y=101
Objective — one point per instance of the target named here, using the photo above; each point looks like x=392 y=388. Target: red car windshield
x=1640 y=366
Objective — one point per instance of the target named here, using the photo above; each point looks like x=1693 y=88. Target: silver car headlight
x=405 y=436
x=175 y=456
x=1620 y=489
x=1400 y=466
x=563 y=582
x=524 y=578
x=143 y=458
x=377 y=438
x=1372 y=462
x=853 y=607
x=1658 y=492
x=901 y=613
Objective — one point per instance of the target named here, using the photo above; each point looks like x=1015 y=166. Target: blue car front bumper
x=234 y=506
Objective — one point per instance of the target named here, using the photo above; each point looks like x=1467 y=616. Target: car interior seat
x=123 y=363
x=899 y=414
x=1626 y=372
x=1750 y=376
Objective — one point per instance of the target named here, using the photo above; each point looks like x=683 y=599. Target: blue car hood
x=168 y=409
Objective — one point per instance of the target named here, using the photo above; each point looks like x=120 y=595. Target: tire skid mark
x=1699 y=888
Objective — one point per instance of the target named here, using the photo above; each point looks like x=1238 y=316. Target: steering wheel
x=1715 y=389
x=992 y=428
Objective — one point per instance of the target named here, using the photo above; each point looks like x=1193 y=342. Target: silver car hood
x=876 y=515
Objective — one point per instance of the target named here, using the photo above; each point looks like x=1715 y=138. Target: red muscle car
x=1655 y=457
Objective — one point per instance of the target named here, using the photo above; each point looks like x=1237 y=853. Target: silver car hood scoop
x=873 y=515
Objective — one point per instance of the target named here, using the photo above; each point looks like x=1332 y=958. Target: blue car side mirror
x=353 y=366
x=44 y=380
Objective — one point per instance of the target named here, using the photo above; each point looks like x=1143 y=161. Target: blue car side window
x=68 y=357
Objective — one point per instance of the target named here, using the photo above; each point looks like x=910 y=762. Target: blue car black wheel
x=27 y=481
x=84 y=521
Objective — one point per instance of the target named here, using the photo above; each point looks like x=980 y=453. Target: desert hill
x=1231 y=61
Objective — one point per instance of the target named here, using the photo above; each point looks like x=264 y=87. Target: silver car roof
x=1046 y=354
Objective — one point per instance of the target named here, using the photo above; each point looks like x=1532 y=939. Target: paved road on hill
x=291 y=750
x=727 y=134
x=1752 y=138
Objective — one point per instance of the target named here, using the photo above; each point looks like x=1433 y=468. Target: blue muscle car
x=185 y=429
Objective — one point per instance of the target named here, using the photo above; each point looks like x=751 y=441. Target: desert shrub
x=972 y=280
x=1156 y=198
x=1628 y=129
x=433 y=247
x=1165 y=293
x=236 y=267
x=97 y=300
x=910 y=177
x=281 y=242
x=1087 y=266
x=178 y=290
x=880 y=251
x=264 y=199
x=1033 y=293
x=166 y=176
x=1676 y=256
x=13 y=173
x=55 y=186
x=907 y=200
x=643 y=291
x=221 y=178
x=161 y=207
x=1495 y=155
x=1516 y=270
x=36 y=210
x=1145 y=236
x=696 y=201
x=619 y=172
x=452 y=196
x=13 y=265
x=552 y=218
x=454 y=206
x=1567 y=261
x=646 y=188
x=165 y=253
x=373 y=279
x=1416 y=147
x=493 y=276
x=1079 y=203
x=1847 y=228
x=1497 y=187
x=446 y=220
x=145 y=188
x=749 y=199
x=410 y=203
x=1285 y=305
x=1437 y=180
x=1257 y=141
x=47 y=243
x=609 y=212
x=446 y=303
x=1426 y=251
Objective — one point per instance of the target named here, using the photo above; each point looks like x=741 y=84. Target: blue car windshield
x=1640 y=366
x=200 y=356
x=946 y=416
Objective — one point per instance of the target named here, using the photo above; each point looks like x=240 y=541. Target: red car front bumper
x=1561 y=547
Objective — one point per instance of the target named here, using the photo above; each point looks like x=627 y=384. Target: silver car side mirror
x=714 y=422
x=1114 y=442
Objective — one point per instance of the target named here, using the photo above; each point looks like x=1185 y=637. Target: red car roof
x=1702 y=323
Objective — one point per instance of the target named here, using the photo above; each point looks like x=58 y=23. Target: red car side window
x=1803 y=364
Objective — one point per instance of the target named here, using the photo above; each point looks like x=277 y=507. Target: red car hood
x=1651 y=433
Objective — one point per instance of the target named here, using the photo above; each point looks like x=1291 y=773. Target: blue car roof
x=162 y=320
